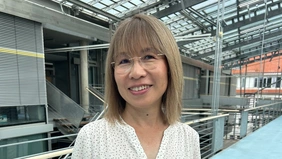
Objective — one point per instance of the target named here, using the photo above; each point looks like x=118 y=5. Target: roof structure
x=251 y=28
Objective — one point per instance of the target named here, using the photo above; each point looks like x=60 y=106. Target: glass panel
x=22 y=115
x=268 y=82
x=16 y=151
x=100 y=6
x=256 y=82
x=128 y=5
x=260 y=82
x=243 y=82
x=278 y=81
x=107 y=2
x=264 y=82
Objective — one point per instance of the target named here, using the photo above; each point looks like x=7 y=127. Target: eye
x=149 y=57
x=123 y=61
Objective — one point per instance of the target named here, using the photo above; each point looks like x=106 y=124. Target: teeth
x=139 y=88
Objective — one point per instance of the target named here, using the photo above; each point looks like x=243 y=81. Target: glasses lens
x=149 y=61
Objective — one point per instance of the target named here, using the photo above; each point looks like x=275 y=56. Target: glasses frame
x=139 y=60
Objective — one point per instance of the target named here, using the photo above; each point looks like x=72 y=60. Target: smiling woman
x=144 y=83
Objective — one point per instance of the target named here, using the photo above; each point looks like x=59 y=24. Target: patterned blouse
x=102 y=140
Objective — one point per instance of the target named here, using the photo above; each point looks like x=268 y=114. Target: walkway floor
x=265 y=143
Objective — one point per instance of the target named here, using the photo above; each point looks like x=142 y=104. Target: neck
x=143 y=118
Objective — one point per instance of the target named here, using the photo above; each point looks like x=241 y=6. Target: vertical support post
x=84 y=77
x=217 y=60
x=268 y=114
x=207 y=82
x=263 y=116
x=244 y=123
x=256 y=120
x=235 y=119
x=262 y=50
x=241 y=80
x=245 y=80
x=216 y=136
x=69 y=74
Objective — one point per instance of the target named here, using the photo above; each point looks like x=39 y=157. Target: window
x=278 y=81
x=22 y=115
x=268 y=84
x=256 y=82
x=260 y=82
x=243 y=82
x=264 y=82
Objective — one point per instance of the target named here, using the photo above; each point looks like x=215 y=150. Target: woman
x=144 y=83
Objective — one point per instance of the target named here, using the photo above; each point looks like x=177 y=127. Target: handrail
x=259 y=107
x=195 y=113
x=205 y=119
x=95 y=94
x=203 y=109
x=31 y=141
x=68 y=151
x=51 y=154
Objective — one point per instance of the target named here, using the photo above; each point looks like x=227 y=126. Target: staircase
x=68 y=116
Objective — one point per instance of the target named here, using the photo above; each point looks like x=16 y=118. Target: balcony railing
x=213 y=130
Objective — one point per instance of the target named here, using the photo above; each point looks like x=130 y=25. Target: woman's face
x=141 y=81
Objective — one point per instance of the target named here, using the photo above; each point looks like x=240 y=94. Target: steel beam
x=176 y=8
x=254 y=53
x=233 y=26
x=55 y=20
x=230 y=47
x=270 y=13
x=147 y=7
x=94 y=9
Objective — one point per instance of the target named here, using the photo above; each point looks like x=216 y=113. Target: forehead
x=139 y=51
x=133 y=40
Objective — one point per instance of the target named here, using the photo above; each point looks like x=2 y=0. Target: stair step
x=86 y=118
x=59 y=119
x=82 y=123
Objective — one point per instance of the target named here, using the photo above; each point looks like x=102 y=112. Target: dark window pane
x=260 y=82
x=268 y=82
x=22 y=115
x=278 y=81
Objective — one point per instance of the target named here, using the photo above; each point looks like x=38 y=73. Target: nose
x=137 y=71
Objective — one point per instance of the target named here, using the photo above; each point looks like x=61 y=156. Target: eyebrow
x=143 y=51
x=148 y=49
x=120 y=54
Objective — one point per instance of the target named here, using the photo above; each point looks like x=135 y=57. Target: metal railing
x=206 y=142
x=254 y=118
x=96 y=101
x=212 y=129
x=58 y=152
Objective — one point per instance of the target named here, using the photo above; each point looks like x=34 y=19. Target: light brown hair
x=143 y=30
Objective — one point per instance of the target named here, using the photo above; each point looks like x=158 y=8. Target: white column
x=84 y=77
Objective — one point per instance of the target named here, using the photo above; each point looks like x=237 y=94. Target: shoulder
x=186 y=129
x=94 y=127
x=95 y=124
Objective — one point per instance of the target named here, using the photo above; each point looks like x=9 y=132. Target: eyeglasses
x=124 y=63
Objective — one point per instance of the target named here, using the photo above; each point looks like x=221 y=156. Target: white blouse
x=101 y=140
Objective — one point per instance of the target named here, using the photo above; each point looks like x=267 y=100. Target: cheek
x=119 y=81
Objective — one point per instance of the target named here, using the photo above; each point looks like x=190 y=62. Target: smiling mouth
x=139 y=88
